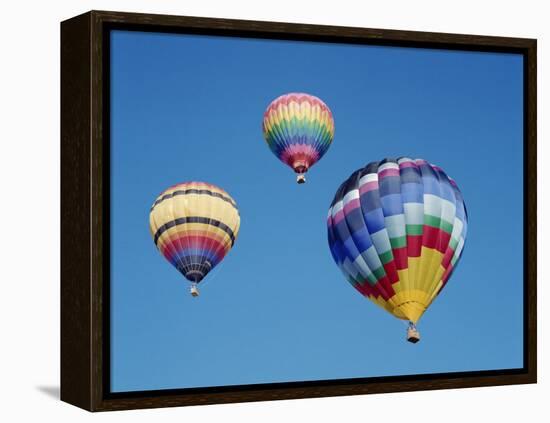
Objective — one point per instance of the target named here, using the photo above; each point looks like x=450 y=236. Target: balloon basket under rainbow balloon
x=301 y=178
x=413 y=335
x=194 y=290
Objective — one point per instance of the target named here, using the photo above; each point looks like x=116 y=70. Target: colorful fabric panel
x=299 y=129
x=396 y=229
x=194 y=225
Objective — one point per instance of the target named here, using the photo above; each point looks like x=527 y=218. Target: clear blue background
x=277 y=308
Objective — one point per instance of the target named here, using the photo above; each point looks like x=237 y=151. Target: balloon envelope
x=299 y=129
x=396 y=228
x=194 y=225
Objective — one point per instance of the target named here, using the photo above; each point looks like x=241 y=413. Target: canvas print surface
x=289 y=211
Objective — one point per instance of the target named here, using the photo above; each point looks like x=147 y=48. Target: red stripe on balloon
x=388 y=172
x=447 y=257
x=338 y=217
x=391 y=272
x=400 y=257
x=185 y=242
x=447 y=274
x=369 y=186
x=414 y=245
x=386 y=290
x=435 y=238
x=352 y=205
x=366 y=289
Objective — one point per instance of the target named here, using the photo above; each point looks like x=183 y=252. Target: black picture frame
x=85 y=237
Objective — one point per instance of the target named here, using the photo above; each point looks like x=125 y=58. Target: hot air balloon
x=299 y=129
x=396 y=229
x=194 y=225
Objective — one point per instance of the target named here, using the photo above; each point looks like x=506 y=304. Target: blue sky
x=278 y=309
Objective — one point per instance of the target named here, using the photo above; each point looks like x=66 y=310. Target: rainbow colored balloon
x=396 y=229
x=299 y=129
x=194 y=225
